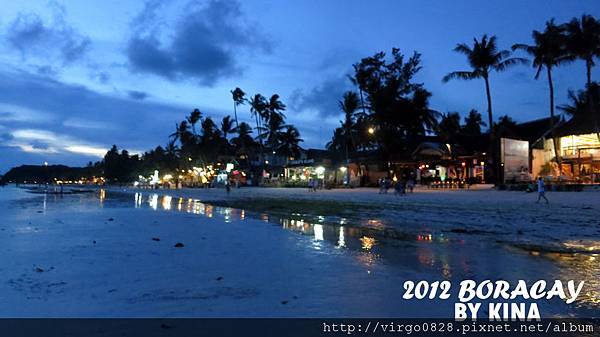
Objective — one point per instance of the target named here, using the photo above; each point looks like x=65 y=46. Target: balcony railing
x=581 y=152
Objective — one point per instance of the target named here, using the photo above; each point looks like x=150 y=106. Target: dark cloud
x=137 y=95
x=39 y=145
x=100 y=76
x=4 y=137
x=322 y=98
x=69 y=114
x=203 y=45
x=33 y=37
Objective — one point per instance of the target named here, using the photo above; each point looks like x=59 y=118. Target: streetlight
x=371 y=130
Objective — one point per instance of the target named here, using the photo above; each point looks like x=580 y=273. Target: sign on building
x=515 y=157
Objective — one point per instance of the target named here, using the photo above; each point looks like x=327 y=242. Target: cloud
x=322 y=98
x=80 y=123
x=72 y=119
x=44 y=141
x=203 y=45
x=137 y=95
x=29 y=34
x=18 y=113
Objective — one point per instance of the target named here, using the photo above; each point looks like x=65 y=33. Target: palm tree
x=258 y=105
x=226 y=126
x=274 y=108
x=336 y=144
x=193 y=118
x=548 y=52
x=473 y=123
x=182 y=132
x=272 y=132
x=348 y=105
x=238 y=96
x=484 y=57
x=421 y=118
x=585 y=106
x=505 y=127
x=243 y=142
x=289 y=142
x=583 y=41
x=449 y=126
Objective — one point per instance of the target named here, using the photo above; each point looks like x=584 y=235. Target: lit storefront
x=581 y=157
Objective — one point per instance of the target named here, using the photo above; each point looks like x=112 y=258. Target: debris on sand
x=179 y=245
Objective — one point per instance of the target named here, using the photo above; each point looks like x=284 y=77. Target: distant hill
x=42 y=173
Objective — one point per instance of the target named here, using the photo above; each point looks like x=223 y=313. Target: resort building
x=579 y=144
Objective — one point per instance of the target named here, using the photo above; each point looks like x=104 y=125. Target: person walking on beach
x=541 y=190
x=400 y=188
x=227 y=186
x=410 y=184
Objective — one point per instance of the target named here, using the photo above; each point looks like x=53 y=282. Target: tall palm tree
x=583 y=41
x=238 y=96
x=258 y=105
x=272 y=132
x=274 y=108
x=182 y=133
x=349 y=104
x=549 y=51
x=193 y=118
x=484 y=57
x=226 y=126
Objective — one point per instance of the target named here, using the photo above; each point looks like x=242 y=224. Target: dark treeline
x=388 y=109
x=50 y=173
x=200 y=141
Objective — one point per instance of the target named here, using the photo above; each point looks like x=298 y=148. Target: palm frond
x=463 y=48
x=511 y=62
x=461 y=75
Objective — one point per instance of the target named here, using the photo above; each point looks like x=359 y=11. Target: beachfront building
x=579 y=149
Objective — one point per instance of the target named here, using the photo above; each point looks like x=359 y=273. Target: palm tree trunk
x=237 y=125
x=261 y=156
x=347 y=166
x=590 y=102
x=588 y=67
x=362 y=102
x=554 y=138
x=495 y=162
x=489 y=101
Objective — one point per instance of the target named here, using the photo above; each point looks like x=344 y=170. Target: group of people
x=313 y=184
x=400 y=186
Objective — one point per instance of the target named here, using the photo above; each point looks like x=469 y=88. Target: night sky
x=79 y=76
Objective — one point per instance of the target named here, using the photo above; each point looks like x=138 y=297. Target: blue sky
x=79 y=76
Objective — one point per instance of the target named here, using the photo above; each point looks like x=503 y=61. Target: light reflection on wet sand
x=431 y=251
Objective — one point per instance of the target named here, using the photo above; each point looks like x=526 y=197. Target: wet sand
x=94 y=255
